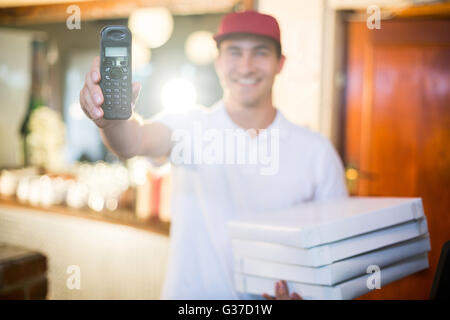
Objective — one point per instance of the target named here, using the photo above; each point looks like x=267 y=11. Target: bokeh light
x=200 y=47
x=153 y=26
x=178 y=94
x=140 y=54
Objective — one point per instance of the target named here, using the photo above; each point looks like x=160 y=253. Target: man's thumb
x=136 y=90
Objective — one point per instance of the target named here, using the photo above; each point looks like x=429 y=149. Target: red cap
x=248 y=22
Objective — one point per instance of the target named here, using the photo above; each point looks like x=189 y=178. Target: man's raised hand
x=91 y=97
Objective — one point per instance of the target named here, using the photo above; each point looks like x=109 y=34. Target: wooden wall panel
x=398 y=126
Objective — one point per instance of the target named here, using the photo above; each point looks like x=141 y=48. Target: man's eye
x=234 y=53
x=261 y=53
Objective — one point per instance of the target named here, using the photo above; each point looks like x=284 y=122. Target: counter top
x=119 y=216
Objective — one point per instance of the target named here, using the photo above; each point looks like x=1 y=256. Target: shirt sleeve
x=330 y=175
x=175 y=120
x=181 y=126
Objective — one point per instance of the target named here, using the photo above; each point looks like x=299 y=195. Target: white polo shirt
x=209 y=188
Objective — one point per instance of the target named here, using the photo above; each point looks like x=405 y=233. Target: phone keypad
x=116 y=88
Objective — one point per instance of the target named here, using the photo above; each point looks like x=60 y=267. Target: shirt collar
x=280 y=122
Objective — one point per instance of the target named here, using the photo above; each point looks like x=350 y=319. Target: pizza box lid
x=315 y=223
x=331 y=252
x=346 y=290
x=336 y=272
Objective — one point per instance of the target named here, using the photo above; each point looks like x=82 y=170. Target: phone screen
x=115 y=52
x=118 y=55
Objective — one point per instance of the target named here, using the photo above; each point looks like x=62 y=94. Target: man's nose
x=246 y=64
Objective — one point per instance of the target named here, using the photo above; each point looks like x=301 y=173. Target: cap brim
x=220 y=37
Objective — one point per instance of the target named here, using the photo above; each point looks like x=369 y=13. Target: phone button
x=115 y=73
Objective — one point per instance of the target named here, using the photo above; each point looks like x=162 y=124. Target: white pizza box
x=350 y=289
x=337 y=272
x=331 y=252
x=314 y=223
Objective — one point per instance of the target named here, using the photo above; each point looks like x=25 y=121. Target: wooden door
x=397 y=126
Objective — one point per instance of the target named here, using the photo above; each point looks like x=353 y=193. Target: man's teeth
x=247 y=81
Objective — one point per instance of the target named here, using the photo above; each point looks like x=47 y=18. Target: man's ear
x=281 y=63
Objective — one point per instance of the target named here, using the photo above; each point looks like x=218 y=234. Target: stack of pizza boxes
x=333 y=249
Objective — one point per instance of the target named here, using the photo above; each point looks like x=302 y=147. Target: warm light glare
x=154 y=26
x=351 y=174
x=178 y=94
x=7 y=183
x=140 y=54
x=200 y=47
x=96 y=201
x=111 y=204
x=138 y=167
x=23 y=189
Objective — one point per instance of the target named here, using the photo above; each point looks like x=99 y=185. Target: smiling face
x=247 y=66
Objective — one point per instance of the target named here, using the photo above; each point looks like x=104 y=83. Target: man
x=304 y=166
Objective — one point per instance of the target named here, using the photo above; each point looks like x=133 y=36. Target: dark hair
x=276 y=44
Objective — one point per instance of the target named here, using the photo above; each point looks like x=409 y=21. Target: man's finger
x=267 y=296
x=96 y=64
x=281 y=289
x=83 y=104
x=94 y=73
x=136 y=87
x=95 y=91
x=95 y=112
x=95 y=76
x=296 y=296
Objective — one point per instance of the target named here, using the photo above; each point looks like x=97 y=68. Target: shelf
x=119 y=216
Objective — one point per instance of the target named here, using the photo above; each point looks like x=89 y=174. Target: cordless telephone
x=115 y=70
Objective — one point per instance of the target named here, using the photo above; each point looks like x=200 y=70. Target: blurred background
x=372 y=76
